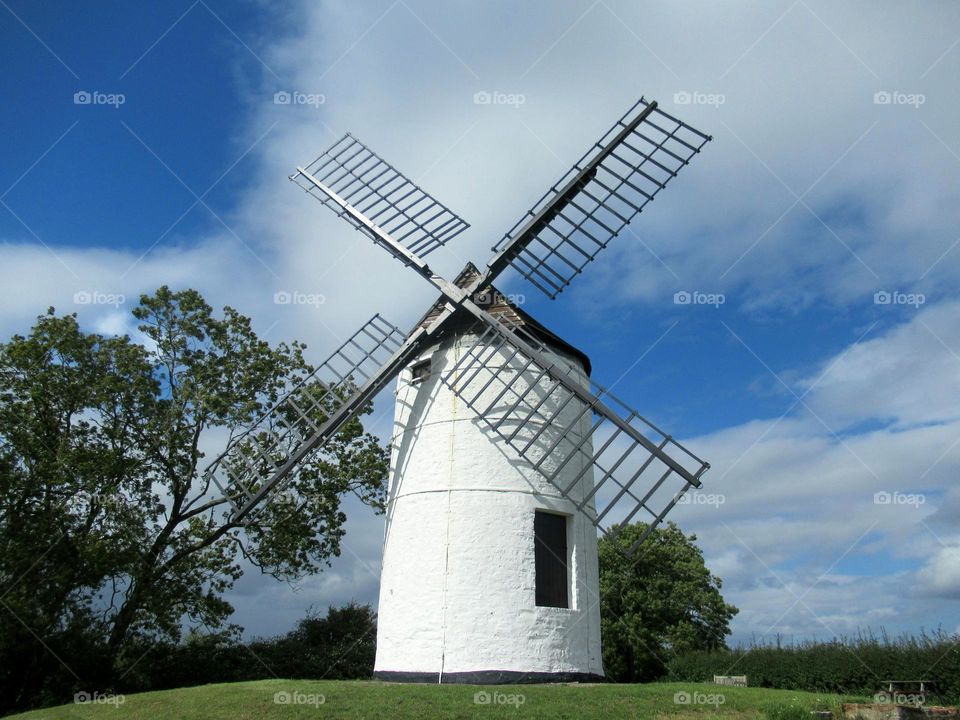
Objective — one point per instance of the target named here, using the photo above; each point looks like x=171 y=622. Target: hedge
x=857 y=666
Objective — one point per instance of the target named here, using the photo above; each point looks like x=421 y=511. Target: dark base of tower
x=487 y=677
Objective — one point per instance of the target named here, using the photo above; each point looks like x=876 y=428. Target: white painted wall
x=457 y=587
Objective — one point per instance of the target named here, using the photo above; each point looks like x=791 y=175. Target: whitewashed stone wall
x=457 y=587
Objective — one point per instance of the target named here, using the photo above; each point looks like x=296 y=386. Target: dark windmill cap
x=500 y=306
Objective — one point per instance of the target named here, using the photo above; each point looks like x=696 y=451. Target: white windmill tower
x=506 y=456
x=489 y=572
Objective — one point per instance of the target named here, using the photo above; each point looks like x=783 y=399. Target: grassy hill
x=275 y=699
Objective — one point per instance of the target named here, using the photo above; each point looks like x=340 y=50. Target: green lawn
x=359 y=699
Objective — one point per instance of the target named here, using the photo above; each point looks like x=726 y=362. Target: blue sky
x=806 y=395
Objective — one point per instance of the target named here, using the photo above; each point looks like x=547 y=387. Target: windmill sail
x=530 y=402
x=378 y=191
x=598 y=196
x=535 y=405
x=310 y=411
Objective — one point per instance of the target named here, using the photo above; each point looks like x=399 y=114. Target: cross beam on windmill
x=506 y=456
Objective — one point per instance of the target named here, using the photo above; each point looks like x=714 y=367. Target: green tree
x=661 y=603
x=109 y=532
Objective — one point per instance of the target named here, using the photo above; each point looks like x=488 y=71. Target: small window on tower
x=420 y=371
x=550 y=559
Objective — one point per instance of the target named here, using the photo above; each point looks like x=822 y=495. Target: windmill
x=506 y=455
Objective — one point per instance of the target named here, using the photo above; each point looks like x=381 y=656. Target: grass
x=361 y=699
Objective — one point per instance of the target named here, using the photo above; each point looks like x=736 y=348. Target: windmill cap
x=500 y=305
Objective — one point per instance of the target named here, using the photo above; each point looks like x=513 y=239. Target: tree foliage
x=659 y=604
x=109 y=533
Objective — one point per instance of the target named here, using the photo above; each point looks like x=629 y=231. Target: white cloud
x=940 y=576
x=909 y=376
x=801 y=501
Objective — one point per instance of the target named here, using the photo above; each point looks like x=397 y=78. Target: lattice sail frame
x=511 y=392
x=596 y=199
x=265 y=448
x=352 y=181
x=381 y=193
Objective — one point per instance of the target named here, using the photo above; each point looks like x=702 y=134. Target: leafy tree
x=657 y=605
x=109 y=532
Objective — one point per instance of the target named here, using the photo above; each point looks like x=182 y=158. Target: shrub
x=338 y=646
